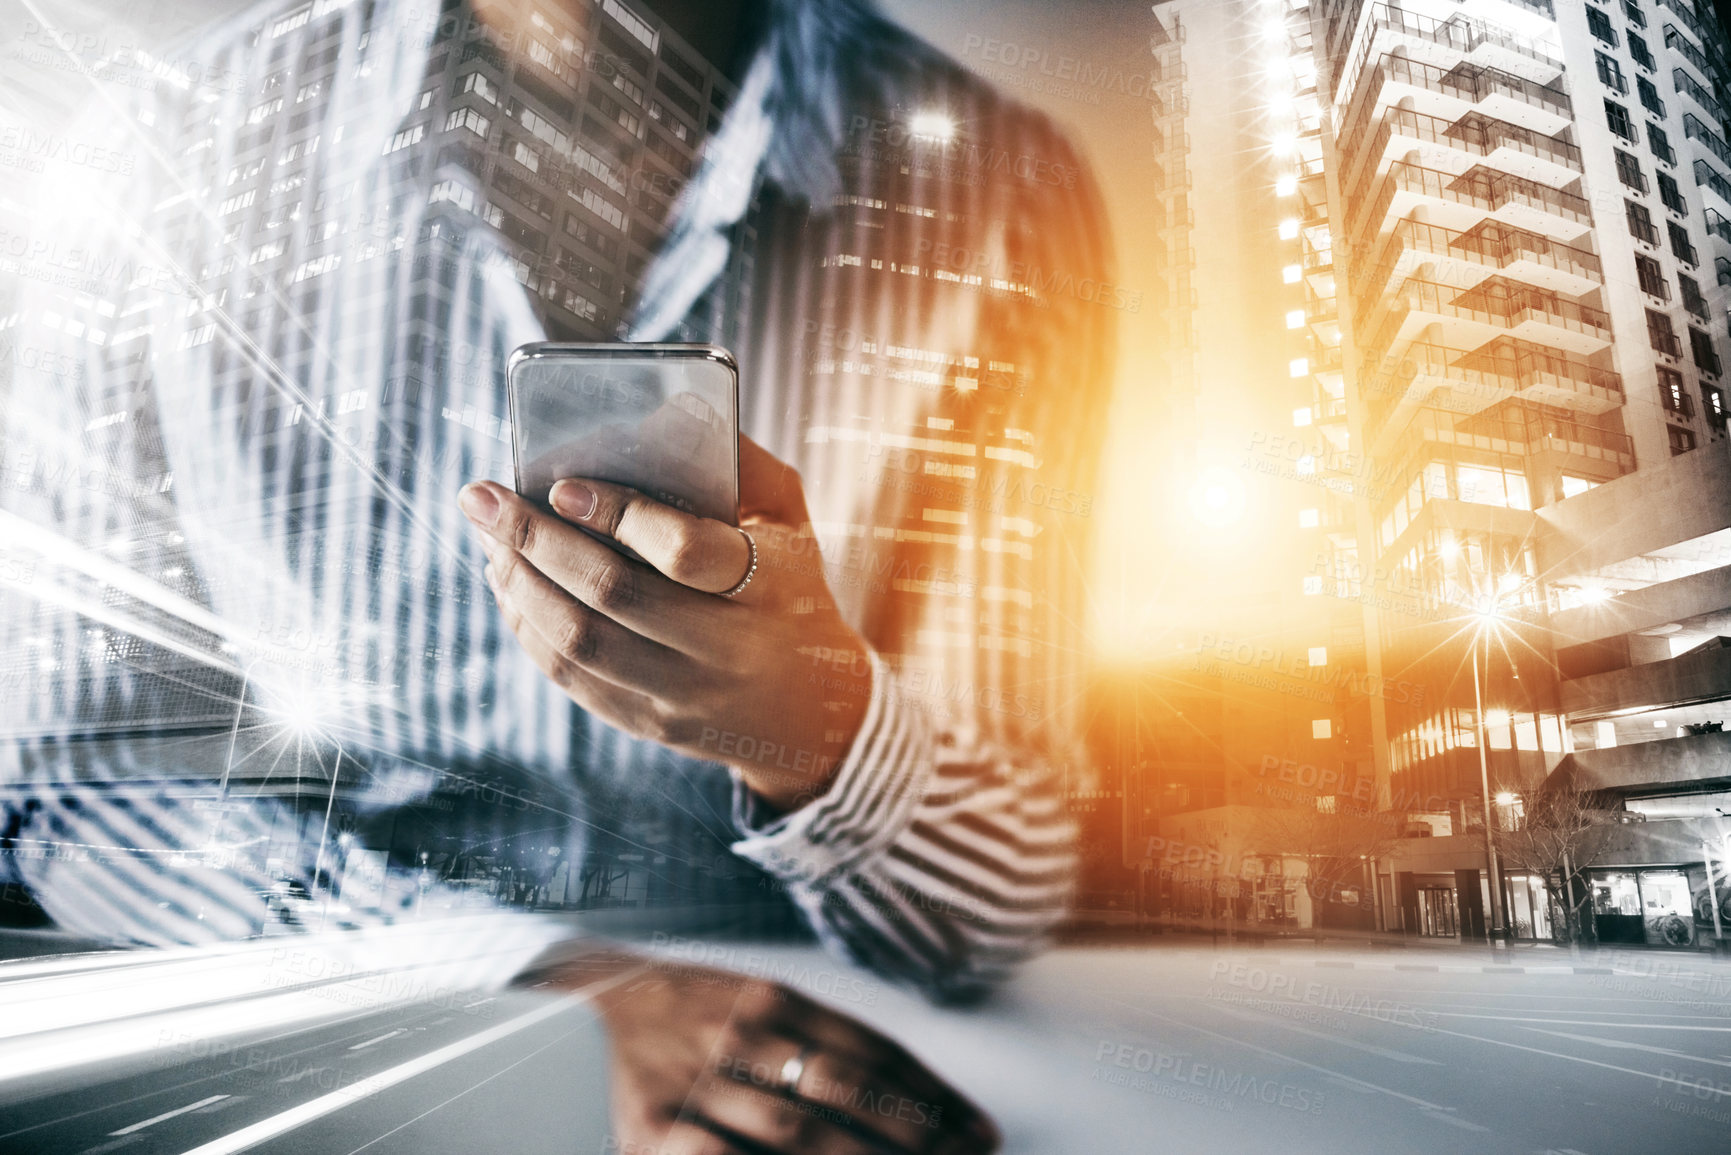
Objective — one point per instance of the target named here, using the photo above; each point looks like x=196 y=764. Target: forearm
x=933 y=857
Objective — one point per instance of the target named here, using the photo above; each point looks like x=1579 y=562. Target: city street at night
x=1161 y=1047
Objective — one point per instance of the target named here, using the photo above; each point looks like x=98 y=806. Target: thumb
x=769 y=488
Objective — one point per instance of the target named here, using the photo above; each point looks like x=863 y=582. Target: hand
x=648 y=647
x=700 y=1064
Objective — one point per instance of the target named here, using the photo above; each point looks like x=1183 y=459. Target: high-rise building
x=1528 y=210
x=1493 y=238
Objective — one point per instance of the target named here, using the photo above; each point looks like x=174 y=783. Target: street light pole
x=319 y=863
x=1495 y=870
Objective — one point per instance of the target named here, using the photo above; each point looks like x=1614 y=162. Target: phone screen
x=663 y=419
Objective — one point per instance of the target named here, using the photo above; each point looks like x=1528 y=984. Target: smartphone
x=663 y=419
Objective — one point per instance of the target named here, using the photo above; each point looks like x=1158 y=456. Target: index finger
x=698 y=552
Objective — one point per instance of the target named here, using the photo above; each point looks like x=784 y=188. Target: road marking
x=1621 y=1045
x=286 y=1121
x=155 y=1119
x=380 y=1039
x=1352 y=1080
x=1381 y=1052
x=441 y=1106
x=1574 y=1058
x=1581 y=1022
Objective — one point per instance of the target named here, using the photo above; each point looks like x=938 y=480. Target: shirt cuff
x=867 y=806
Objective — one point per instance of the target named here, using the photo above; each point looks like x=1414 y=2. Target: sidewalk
x=1522 y=957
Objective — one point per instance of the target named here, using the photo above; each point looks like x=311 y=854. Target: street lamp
x=324 y=833
x=1488 y=620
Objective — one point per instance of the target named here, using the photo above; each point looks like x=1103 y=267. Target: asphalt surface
x=1099 y=1049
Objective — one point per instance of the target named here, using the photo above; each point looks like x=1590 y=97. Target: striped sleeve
x=933 y=857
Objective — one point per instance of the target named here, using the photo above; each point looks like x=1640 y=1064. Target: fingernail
x=573 y=499
x=480 y=503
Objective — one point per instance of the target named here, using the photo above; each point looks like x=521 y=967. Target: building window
x=1638 y=49
x=481 y=87
x=1680 y=243
x=1682 y=440
x=1661 y=335
x=1633 y=11
x=1671 y=394
x=407 y=138
x=1610 y=74
x=470 y=119
x=1660 y=144
x=1629 y=171
x=1701 y=345
x=1713 y=405
x=1641 y=223
x=1652 y=278
x=1649 y=96
x=1618 y=118
x=1600 y=26
x=1692 y=298
x=1672 y=195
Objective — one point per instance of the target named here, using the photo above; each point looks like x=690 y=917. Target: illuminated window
x=1309 y=518
x=1301 y=417
x=1285 y=186
x=481 y=87
x=1312 y=585
x=409 y=136
x=470 y=119
x=1289 y=229
x=1299 y=366
x=1295 y=319
x=1291 y=273
x=1321 y=728
x=1319 y=655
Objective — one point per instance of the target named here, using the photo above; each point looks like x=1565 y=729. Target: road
x=1101 y=1050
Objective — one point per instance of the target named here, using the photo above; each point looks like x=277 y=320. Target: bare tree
x=1332 y=837
x=1559 y=832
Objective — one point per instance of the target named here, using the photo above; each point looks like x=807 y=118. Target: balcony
x=1692 y=88
x=1464 y=200
x=1684 y=47
x=1488 y=248
x=1470 y=318
x=1688 y=679
x=1514 y=149
x=1458 y=36
x=1695 y=130
x=1430 y=434
x=1463 y=382
x=1708 y=177
x=1453 y=93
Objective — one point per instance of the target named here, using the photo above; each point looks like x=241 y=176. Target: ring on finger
x=793 y=1071
x=750 y=569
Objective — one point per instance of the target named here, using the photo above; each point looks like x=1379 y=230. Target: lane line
x=1681 y=1084
x=1618 y=1044
x=441 y=1106
x=180 y=1086
x=1423 y=1104
x=286 y=1121
x=1580 y=1022
x=1273 y=1019
x=379 y=1039
x=155 y=1119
